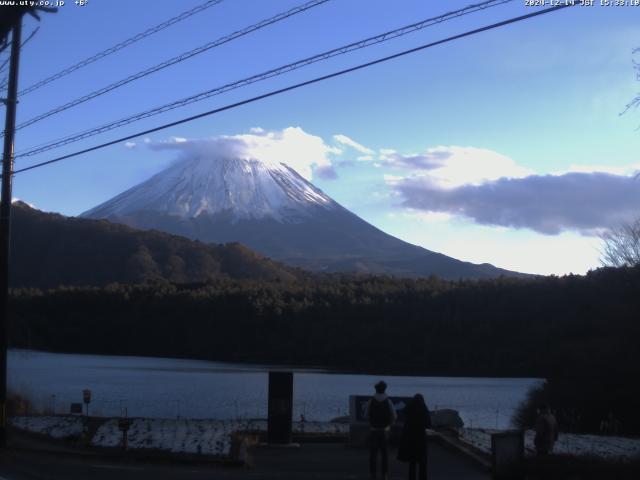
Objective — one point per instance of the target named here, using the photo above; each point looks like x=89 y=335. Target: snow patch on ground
x=193 y=436
x=205 y=437
x=52 y=426
x=320 y=427
x=613 y=448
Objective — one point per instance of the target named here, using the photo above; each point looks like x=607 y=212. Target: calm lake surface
x=162 y=387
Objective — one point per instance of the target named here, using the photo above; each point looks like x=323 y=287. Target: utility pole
x=10 y=20
x=5 y=216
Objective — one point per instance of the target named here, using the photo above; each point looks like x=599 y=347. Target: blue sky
x=506 y=147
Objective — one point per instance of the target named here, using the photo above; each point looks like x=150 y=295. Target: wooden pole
x=5 y=217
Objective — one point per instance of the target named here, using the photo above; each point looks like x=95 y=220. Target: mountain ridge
x=49 y=249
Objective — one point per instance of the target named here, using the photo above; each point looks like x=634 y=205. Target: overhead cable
x=121 y=45
x=172 y=61
x=296 y=86
x=264 y=76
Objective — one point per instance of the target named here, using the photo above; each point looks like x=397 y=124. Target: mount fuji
x=270 y=208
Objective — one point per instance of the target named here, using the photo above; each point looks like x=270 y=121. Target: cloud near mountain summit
x=308 y=154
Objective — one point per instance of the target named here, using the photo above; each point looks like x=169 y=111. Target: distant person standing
x=413 y=443
x=381 y=415
x=546 y=430
x=610 y=425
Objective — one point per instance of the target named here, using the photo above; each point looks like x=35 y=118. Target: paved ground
x=310 y=461
x=338 y=461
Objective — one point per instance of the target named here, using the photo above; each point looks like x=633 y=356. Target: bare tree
x=621 y=246
x=635 y=103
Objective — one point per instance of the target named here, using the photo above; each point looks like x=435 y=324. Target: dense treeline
x=539 y=327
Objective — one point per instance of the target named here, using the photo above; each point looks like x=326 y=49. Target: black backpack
x=379 y=413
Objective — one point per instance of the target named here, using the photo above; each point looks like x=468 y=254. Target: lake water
x=163 y=387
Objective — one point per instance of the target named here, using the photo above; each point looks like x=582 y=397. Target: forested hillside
x=48 y=250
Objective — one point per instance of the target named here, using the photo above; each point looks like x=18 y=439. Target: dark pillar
x=507 y=449
x=280 y=407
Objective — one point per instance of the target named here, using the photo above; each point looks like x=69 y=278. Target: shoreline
x=263 y=367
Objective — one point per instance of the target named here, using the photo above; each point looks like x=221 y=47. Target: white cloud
x=177 y=143
x=587 y=203
x=293 y=146
x=488 y=188
x=613 y=170
x=365 y=158
x=392 y=180
x=130 y=144
x=302 y=151
x=453 y=166
x=343 y=139
x=585 y=199
x=427 y=217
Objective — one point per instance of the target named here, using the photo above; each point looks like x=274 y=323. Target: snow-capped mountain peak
x=270 y=208
x=210 y=185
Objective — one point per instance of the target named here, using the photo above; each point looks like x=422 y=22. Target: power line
x=4 y=82
x=265 y=75
x=121 y=45
x=172 y=61
x=3 y=67
x=299 y=85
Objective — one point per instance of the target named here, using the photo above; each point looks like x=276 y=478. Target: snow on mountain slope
x=245 y=189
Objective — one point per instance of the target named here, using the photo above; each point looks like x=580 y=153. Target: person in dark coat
x=546 y=431
x=413 y=443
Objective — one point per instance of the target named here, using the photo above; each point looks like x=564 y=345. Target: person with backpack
x=413 y=443
x=381 y=415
